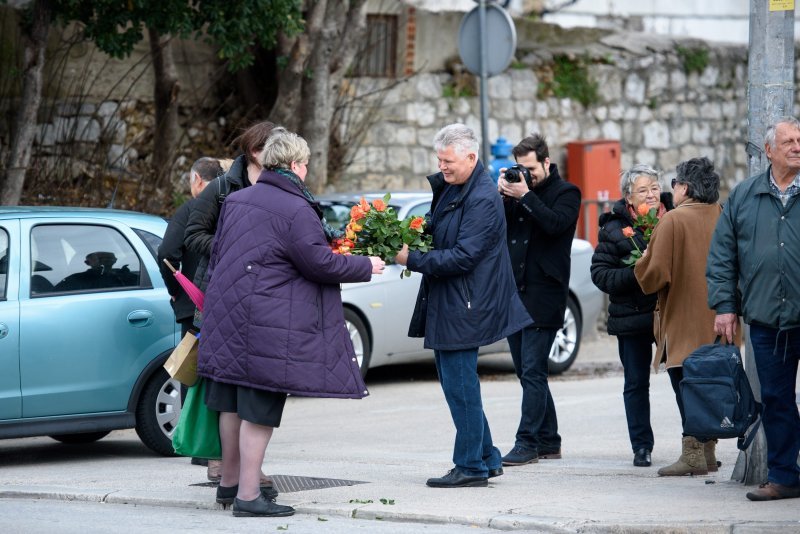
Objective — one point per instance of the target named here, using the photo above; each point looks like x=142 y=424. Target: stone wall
x=646 y=99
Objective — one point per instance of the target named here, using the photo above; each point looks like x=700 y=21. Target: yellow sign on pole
x=781 y=5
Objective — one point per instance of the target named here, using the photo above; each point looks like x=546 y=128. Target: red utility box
x=594 y=166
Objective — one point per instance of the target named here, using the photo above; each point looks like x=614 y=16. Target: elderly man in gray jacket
x=756 y=250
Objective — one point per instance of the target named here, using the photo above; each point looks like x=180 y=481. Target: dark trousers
x=776 y=356
x=675 y=377
x=473 y=451
x=636 y=353
x=538 y=424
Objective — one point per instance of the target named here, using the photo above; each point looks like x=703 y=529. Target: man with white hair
x=753 y=270
x=467 y=298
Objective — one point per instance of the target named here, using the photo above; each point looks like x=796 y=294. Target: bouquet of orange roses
x=375 y=230
x=646 y=219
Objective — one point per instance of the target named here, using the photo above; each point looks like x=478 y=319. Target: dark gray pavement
x=402 y=434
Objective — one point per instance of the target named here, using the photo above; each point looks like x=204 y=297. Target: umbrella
x=191 y=290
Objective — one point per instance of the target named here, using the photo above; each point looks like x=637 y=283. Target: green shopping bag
x=197 y=433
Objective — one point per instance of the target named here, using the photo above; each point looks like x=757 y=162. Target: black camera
x=517 y=173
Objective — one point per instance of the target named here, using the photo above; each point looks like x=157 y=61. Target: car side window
x=81 y=258
x=4 y=253
x=420 y=210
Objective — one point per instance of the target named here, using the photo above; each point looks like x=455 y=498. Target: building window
x=378 y=57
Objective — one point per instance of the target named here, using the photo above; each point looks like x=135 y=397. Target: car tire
x=86 y=437
x=360 y=338
x=158 y=411
x=568 y=340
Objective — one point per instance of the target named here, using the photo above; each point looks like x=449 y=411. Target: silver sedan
x=378 y=312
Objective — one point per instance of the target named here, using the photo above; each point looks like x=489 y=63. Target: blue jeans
x=538 y=424
x=473 y=451
x=776 y=355
x=636 y=353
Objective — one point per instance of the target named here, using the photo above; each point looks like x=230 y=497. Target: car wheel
x=86 y=437
x=360 y=338
x=158 y=411
x=568 y=340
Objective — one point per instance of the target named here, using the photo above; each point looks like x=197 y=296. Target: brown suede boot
x=691 y=462
x=709 y=451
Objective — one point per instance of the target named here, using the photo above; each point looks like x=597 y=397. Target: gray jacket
x=753 y=266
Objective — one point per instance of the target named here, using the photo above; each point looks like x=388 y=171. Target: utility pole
x=770 y=94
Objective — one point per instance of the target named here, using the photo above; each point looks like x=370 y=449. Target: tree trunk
x=165 y=94
x=316 y=62
x=35 y=42
x=316 y=119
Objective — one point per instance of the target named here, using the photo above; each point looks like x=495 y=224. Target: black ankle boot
x=260 y=507
x=226 y=494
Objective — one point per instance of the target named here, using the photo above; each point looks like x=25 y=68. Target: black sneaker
x=520 y=456
x=226 y=494
x=260 y=507
x=642 y=458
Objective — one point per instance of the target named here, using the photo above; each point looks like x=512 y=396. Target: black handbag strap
x=744 y=442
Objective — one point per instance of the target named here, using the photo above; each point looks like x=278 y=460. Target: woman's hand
x=377 y=265
x=402 y=256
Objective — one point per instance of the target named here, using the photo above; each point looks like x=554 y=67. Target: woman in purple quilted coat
x=273 y=321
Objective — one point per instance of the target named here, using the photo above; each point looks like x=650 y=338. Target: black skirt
x=257 y=406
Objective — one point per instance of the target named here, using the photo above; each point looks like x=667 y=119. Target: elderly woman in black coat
x=630 y=311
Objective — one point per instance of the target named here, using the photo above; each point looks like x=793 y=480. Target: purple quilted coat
x=273 y=314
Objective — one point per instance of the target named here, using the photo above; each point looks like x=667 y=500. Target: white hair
x=459 y=136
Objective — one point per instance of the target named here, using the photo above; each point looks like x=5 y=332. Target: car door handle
x=140 y=318
x=3 y=330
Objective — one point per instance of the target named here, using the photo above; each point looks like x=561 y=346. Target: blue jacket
x=467 y=298
x=756 y=250
x=273 y=310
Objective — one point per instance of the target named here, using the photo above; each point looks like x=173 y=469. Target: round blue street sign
x=501 y=37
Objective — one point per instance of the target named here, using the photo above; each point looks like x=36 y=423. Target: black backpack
x=718 y=401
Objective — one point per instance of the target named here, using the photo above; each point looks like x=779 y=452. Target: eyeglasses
x=674 y=182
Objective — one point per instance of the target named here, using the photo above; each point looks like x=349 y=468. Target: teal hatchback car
x=85 y=326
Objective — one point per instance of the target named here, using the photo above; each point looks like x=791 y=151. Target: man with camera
x=541 y=214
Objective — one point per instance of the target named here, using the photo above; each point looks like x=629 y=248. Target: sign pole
x=770 y=91
x=483 y=84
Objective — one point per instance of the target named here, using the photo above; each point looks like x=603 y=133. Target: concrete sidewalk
x=402 y=434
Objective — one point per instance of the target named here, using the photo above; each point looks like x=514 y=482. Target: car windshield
x=337 y=213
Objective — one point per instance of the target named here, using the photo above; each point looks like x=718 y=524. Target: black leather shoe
x=226 y=494
x=642 y=458
x=456 y=478
x=260 y=507
x=495 y=472
x=520 y=456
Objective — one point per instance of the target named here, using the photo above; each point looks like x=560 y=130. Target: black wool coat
x=541 y=226
x=202 y=223
x=173 y=250
x=630 y=311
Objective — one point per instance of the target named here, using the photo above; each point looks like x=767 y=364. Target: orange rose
x=628 y=231
x=349 y=233
x=416 y=223
x=357 y=213
x=355 y=226
x=643 y=209
x=364 y=205
x=379 y=204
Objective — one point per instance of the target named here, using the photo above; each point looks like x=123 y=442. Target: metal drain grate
x=289 y=483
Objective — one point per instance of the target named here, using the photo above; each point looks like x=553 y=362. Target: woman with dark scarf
x=630 y=311
x=274 y=323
